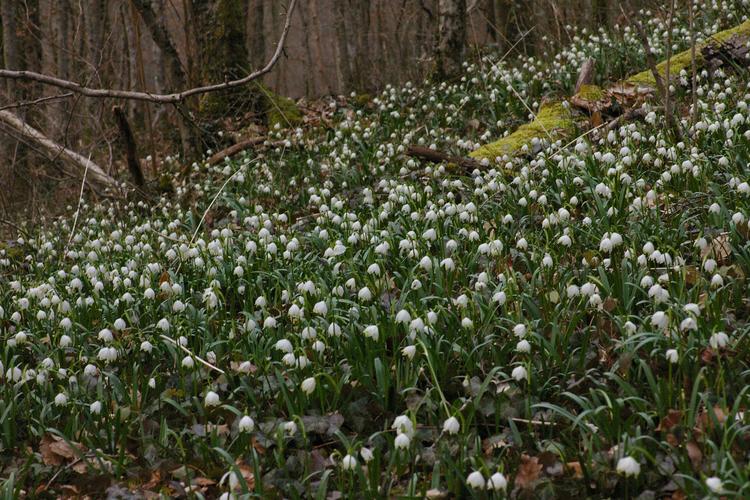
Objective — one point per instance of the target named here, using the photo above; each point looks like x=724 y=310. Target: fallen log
x=628 y=94
x=241 y=146
x=93 y=172
x=434 y=156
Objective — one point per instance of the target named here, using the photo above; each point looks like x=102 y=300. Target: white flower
x=475 y=480
x=709 y=265
x=448 y=264
x=269 y=322
x=403 y=316
x=308 y=385
x=402 y=442
x=65 y=341
x=719 y=340
x=714 y=484
x=61 y=399
x=348 y=462
x=672 y=356
x=95 y=407
x=366 y=454
x=519 y=373
x=409 y=351
x=467 y=323
x=187 y=362
x=106 y=335
x=523 y=346
x=451 y=425
x=519 y=330
x=403 y=425
x=372 y=332
x=120 y=324
x=320 y=308
x=163 y=324
x=660 y=320
x=500 y=298
x=246 y=424
x=497 y=482
x=211 y=399
x=146 y=346
x=628 y=466
x=688 y=324
x=364 y=294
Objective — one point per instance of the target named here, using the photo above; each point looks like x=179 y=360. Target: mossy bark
x=683 y=60
x=554 y=121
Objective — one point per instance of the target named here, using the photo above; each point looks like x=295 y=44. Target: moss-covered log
x=556 y=121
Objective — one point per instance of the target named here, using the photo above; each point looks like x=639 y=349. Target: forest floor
x=327 y=317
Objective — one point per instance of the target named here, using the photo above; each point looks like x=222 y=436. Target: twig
x=661 y=86
x=78 y=208
x=148 y=96
x=41 y=100
x=15 y=226
x=201 y=360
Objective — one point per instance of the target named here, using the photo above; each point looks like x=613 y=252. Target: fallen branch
x=185 y=349
x=434 y=156
x=172 y=98
x=96 y=173
x=234 y=149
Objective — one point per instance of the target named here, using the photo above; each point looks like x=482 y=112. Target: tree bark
x=451 y=43
x=10 y=47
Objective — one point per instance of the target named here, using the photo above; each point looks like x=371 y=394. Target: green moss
x=683 y=60
x=553 y=120
x=590 y=93
x=281 y=110
x=14 y=253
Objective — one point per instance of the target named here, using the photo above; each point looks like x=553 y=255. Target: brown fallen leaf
x=695 y=454
x=528 y=472
x=575 y=469
x=719 y=249
x=706 y=420
x=670 y=420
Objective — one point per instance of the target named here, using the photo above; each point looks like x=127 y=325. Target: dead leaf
x=575 y=468
x=528 y=472
x=670 y=420
x=695 y=454
x=719 y=249
x=706 y=420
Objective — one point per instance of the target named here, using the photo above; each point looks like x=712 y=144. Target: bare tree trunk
x=451 y=44
x=318 y=51
x=343 y=59
x=10 y=47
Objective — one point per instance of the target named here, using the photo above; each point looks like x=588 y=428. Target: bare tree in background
x=451 y=43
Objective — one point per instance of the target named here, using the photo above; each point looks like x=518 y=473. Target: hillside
x=325 y=316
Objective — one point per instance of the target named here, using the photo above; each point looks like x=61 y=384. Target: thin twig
x=201 y=360
x=78 y=208
x=151 y=97
x=41 y=100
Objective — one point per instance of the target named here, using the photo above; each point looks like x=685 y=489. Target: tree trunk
x=343 y=59
x=10 y=47
x=451 y=38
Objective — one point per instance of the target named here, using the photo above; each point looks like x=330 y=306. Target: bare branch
x=84 y=164
x=172 y=98
x=41 y=100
